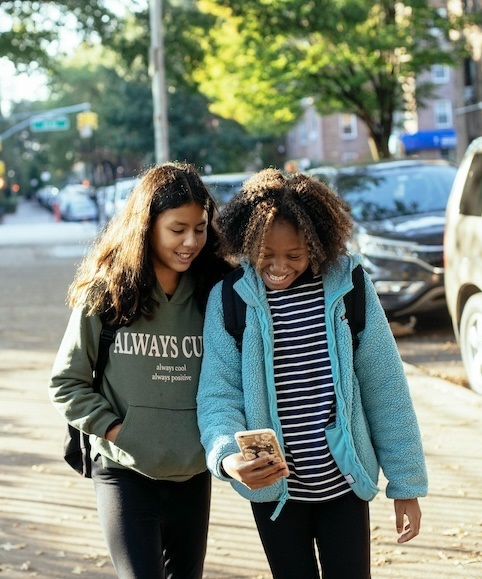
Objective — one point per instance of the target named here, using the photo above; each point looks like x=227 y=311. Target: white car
x=79 y=208
x=123 y=189
x=105 y=202
x=463 y=261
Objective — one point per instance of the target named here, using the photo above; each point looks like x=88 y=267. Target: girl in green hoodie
x=150 y=272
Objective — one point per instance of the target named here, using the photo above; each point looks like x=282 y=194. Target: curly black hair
x=307 y=204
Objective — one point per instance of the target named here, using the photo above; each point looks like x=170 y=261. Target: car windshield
x=82 y=202
x=224 y=191
x=224 y=186
x=379 y=194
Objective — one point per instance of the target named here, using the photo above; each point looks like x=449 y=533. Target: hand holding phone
x=251 y=466
x=259 y=443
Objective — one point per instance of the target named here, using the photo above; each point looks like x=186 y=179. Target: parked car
x=463 y=261
x=77 y=207
x=223 y=186
x=123 y=188
x=327 y=174
x=71 y=190
x=105 y=202
x=46 y=196
x=398 y=209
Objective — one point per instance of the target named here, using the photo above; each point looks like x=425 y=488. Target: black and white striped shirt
x=305 y=389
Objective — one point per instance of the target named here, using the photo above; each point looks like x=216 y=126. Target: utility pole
x=157 y=71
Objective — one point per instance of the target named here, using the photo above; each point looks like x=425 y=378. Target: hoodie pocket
x=349 y=464
x=160 y=442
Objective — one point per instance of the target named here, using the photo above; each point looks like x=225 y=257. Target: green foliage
x=352 y=56
x=31 y=29
x=202 y=138
x=121 y=97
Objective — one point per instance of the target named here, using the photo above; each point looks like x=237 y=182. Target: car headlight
x=398 y=287
x=372 y=246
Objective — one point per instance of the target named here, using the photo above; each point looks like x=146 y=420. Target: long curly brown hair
x=309 y=205
x=117 y=275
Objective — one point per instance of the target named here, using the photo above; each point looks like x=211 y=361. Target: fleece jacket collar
x=337 y=281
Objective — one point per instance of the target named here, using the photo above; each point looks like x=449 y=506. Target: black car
x=399 y=212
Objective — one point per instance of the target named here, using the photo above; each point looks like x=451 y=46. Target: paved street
x=48 y=522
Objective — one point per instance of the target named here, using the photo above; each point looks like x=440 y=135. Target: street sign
x=39 y=125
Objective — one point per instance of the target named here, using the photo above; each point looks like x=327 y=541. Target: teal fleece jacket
x=150 y=382
x=376 y=425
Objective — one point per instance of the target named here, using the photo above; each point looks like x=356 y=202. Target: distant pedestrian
x=340 y=413
x=151 y=271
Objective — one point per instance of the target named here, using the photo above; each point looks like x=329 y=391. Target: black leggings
x=153 y=529
x=340 y=528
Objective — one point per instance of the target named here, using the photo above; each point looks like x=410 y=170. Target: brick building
x=442 y=129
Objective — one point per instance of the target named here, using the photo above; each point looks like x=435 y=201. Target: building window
x=440 y=73
x=442 y=111
x=347 y=125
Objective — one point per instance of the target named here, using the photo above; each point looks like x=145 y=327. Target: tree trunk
x=381 y=143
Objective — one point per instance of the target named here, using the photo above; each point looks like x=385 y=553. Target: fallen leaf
x=12 y=547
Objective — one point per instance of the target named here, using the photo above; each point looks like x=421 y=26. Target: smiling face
x=286 y=256
x=176 y=238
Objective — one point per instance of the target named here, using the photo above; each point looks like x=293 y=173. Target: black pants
x=153 y=529
x=340 y=528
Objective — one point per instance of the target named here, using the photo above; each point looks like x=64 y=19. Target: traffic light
x=87 y=119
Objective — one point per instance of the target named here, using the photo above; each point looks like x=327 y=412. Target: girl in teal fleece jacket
x=150 y=271
x=340 y=415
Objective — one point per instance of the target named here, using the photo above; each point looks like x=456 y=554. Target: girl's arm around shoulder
x=70 y=387
x=220 y=401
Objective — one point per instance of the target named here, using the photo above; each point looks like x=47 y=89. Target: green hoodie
x=150 y=382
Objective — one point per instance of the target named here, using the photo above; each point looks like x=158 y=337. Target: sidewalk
x=17 y=229
x=48 y=521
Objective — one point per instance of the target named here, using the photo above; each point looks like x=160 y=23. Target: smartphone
x=256 y=443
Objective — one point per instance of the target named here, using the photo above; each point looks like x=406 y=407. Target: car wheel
x=471 y=341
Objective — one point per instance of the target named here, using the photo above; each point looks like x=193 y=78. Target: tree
x=195 y=134
x=120 y=94
x=25 y=160
x=33 y=31
x=112 y=75
x=353 y=56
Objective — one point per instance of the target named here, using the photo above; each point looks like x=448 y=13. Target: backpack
x=76 y=443
x=234 y=308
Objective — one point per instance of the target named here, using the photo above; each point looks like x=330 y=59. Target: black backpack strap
x=355 y=305
x=107 y=336
x=234 y=309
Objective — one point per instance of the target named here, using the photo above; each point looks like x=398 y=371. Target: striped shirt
x=304 y=389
